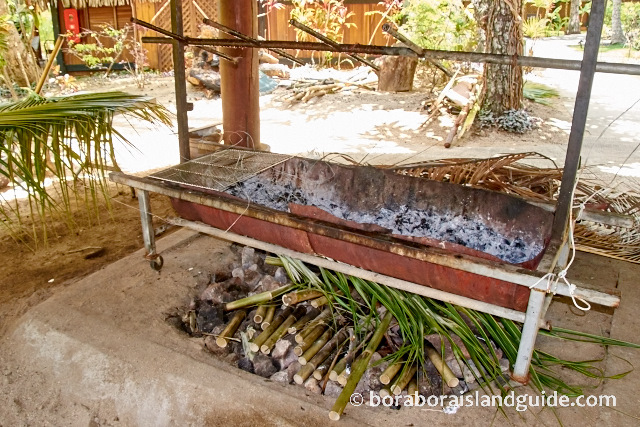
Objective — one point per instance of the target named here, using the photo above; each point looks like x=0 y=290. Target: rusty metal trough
x=470 y=247
x=357 y=199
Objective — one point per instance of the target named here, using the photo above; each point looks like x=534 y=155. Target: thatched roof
x=81 y=4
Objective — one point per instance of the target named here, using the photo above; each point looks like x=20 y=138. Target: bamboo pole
x=324 y=367
x=311 y=314
x=387 y=375
x=257 y=298
x=338 y=368
x=344 y=375
x=282 y=329
x=277 y=321
x=402 y=380
x=444 y=370
x=315 y=348
x=47 y=67
x=412 y=389
x=260 y=313
x=268 y=318
x=231 y=328
x=320 y=320
x=309 y=340
x=360 y=368
x=384 y=392
x=324 y=352
x=299 y=296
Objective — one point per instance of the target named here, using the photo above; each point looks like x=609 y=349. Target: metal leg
x=148 y=234
x=532 y=318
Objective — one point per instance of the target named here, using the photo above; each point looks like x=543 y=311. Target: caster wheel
x=157 y=263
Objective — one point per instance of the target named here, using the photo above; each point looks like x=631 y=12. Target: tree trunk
x=396 y=73
x=503 y=83
x=20 y=63
x=617 y=34
x=574 y=17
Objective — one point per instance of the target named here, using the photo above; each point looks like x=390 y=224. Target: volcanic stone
x=263 y=366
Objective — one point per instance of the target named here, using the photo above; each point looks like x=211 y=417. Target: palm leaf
x=69 y=138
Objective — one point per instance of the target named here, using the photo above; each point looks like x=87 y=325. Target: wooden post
x=240 y=82
x=182 y=107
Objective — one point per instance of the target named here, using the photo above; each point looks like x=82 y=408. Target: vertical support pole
x=55 y=20
x=580 y=110
x=148 y=234
x=535 y=311
x=240 y=82
x=182 y=107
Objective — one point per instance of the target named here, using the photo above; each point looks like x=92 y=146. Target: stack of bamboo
x=307 y=89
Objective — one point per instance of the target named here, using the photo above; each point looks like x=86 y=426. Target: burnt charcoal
x=285 y=360
x=281 y=276
x=210 y=344
x=312 y=385
x=263 y=366
x=235 y=286
x=269 y=269
x=280 y=377
x=293 y=369
x=232 y=358
x=251 y=279
x=209 y=317
x=332 y=389
x=236 y=347
x=248 y=256
x=267 y=283
x=375 y=372
x=402 y=220
x=245 y=364
x=238 y=272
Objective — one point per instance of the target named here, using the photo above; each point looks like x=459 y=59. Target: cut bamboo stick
x=387 y=375
x=384 y=392
x=338 y=368
x=299 y=296
x=260 y=313
x=359 y=368
x=268 y=318
x=315 y=347
x=322 y=370
x=320 y=320
x=309 y=340
x=412 y=390
x=257 y=298
x=282 y=329
x=402 y=380
x=327 y=349
x=231 y=328
x=311 y=314
x=444 y=370
x=320 y=357
x=277 y=321
x=319 y=302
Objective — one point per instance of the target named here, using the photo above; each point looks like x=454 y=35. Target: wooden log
x=396 y=73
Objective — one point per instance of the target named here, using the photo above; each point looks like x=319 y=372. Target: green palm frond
x=69 y=140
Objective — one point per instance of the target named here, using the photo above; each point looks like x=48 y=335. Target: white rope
x=553 y=279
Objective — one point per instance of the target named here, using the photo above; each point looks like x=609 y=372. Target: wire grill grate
x=220 y=170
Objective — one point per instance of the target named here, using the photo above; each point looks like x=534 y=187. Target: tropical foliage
x=417 y=316
x=56 y=150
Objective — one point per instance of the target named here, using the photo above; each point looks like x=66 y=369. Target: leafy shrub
x=440 y=24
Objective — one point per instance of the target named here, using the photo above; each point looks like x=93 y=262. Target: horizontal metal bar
x=392 y=282
x=326 y=40
x=241 y=36
x=492 y=58
x=594 y=215
x=505 y=272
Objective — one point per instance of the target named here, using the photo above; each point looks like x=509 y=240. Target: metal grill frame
x=220 y=170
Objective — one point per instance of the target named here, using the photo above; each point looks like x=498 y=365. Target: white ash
x=405 y=220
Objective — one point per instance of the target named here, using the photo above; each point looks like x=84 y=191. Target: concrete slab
x=100 y=352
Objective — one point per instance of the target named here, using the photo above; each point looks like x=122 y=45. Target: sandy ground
x=368 y=126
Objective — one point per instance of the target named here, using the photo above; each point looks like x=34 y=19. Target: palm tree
x=65 y=140
x=617 y=33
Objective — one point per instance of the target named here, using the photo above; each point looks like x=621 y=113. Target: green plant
x=328 y=17
x=109 y=46
x=417 y=316
x=439 y=24
x=534 y=27
x=539 y=93
x=67 y=140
